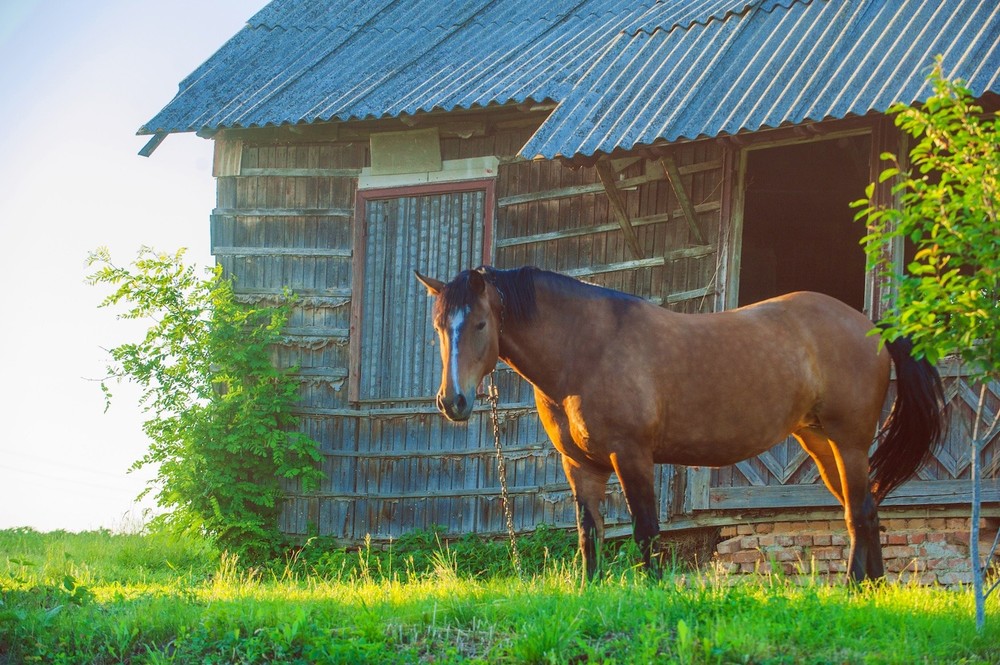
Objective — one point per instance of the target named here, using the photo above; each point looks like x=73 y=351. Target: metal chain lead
x=494 y=397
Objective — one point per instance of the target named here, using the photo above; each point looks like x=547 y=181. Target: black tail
x=915 y=425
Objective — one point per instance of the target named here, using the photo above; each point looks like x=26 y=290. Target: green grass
x=106 y=598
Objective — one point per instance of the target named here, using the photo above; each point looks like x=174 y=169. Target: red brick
x=954 y=579
x=788 y=568
x=826 y=553
x=745 y=556
x=767 y=541
x=894 y=565
x=821 y=540
x=917 y=538
x=958 y=563
x=935 y=537
x=957 y=538
x=901 y=564
x=727 y=567
x=838 y=539
x=803 y=541
x=784 y=541
x=785 y=555
x=745 y=529
x=729 y=546
x=958 y=523
x=728 y=531
x=899 y=552
x=765 y=527
x=817 y=567
x=924 y=579
x=749 y=542
x=896 y=539
x=937 y=524
x=748 y=567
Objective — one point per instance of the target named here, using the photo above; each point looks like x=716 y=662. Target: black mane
x=517 y=288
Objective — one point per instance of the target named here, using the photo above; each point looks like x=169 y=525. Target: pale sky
x=77 y=79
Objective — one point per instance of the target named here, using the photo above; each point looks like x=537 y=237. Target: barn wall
x=289 y=215
x=785 y=476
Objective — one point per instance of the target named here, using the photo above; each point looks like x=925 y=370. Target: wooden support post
x=674 y=176
x=607 y=174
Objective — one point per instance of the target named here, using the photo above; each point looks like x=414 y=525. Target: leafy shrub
x=221 y=431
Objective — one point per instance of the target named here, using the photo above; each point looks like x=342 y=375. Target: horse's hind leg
x=861 y=515
x=845 y=474
x=588 y=487
x=816 y=443
x=636 y=476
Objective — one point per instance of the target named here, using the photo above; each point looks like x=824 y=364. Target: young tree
x=947 y=300
x=220 y=429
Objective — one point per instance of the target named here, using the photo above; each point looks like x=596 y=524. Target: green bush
x=221 y=430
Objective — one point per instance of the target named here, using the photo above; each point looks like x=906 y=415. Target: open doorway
x=799 y=232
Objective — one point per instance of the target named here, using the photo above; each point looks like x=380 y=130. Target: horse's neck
x=520 y=348
x=538 y=349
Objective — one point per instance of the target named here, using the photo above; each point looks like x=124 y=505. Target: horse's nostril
x=460 y=402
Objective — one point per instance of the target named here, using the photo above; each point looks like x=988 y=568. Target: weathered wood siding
x=785 y=476
x=290 y=216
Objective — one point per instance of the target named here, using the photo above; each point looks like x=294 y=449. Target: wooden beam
x=284 y=212
x=658 y=218
x=335 y=252
x=574 y=190
x=588 y=271
x=607 y=174
x=153 y=144
x=290 y=172
x=674 y=177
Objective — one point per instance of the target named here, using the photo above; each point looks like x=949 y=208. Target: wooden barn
x=700 y=154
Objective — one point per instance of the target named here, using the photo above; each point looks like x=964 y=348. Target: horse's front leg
x=588 y=487
x=636 y=475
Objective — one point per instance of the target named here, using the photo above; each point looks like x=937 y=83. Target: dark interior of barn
x=799 y=231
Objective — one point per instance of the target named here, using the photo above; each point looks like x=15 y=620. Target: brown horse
x=622 y=384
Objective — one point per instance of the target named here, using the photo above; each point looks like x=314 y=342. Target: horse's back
x=828 y=326
x=743 y=379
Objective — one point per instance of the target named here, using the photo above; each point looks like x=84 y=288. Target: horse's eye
x=480 y=325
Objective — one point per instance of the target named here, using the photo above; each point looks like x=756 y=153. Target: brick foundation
x=928 y=551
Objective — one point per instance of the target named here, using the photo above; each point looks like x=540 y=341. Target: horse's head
x=467 y=314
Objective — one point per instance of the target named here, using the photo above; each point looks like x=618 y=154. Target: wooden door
x=437 y=233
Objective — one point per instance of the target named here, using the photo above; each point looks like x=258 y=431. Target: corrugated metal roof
x=625 y=73
x=306 y=61
x=776 y=64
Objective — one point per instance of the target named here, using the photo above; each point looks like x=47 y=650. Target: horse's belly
x=717 y=449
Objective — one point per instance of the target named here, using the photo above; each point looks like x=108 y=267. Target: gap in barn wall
x=799 y=232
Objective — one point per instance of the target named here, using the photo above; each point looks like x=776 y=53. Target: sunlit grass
x=71 y=598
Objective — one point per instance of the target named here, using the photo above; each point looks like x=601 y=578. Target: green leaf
x=218 y=409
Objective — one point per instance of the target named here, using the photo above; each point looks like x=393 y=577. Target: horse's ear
x=476 y=282
x=434 y=286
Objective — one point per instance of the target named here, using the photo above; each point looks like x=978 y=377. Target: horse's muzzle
x=455 y=408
